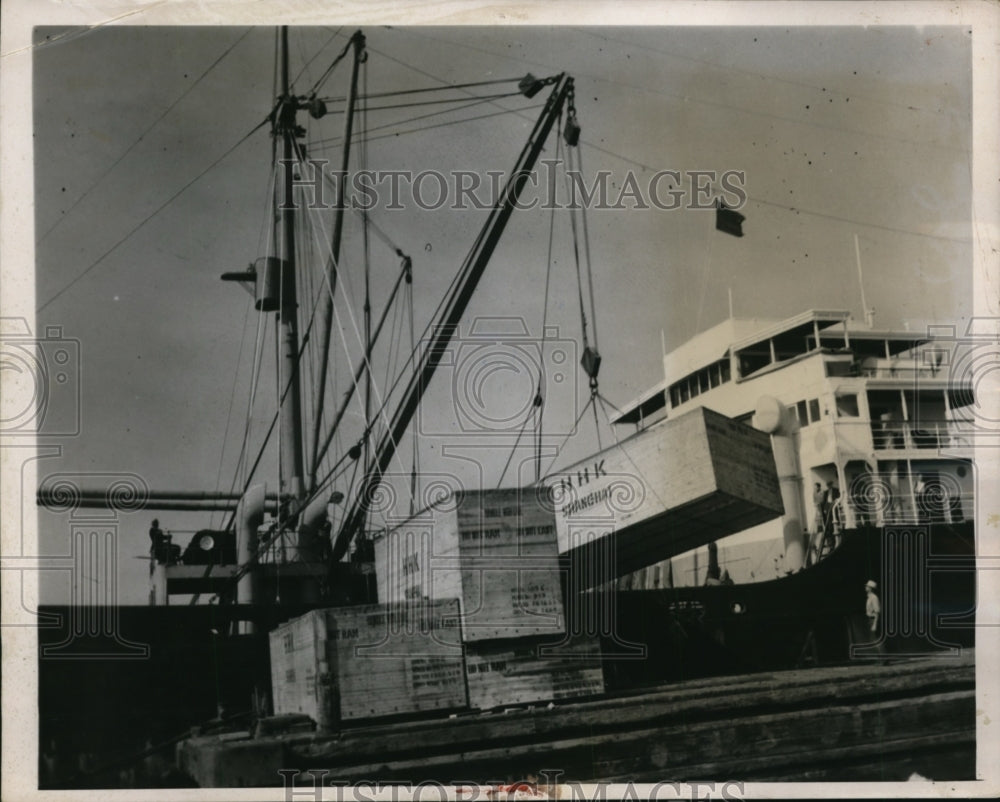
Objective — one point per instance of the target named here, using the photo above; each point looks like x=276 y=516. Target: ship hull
x=163 y=669
x=927 y=582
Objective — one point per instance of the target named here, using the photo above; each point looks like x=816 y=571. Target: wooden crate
x=494 y=550
x=523 y=671
x=673 y=487
x=380 y=660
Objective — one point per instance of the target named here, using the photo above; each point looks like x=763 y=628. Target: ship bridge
x=887 y=417
x=733 y=350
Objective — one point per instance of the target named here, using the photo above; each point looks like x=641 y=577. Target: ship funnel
x=311 y=542
x=249 y=517
x=773 y=417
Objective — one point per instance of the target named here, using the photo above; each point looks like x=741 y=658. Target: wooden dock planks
x=857 y=722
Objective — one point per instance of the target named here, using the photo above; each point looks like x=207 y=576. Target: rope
x=153 y=214
x=143 y=135
x=586 y=250
x=330 y=69
x=455 y=122
x=796 y=209
x=517 y=442
x=229 y=412
x=302 y=346
x=366 y=247
x=442 y=101
x=396 y=92
x=415 y=462
x=263 y=235
x=541 y=390
x=576 y=248
x=357 y=334
x=306 y=66
x=571 y=431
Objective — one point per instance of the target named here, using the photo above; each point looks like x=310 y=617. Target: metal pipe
x=102 y=503
x=170 y=495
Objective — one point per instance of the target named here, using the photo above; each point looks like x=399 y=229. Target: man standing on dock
x=873 y=609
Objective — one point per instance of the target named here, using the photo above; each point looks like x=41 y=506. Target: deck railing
x=934 y=435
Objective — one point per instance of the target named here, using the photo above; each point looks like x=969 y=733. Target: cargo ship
x=527 y=618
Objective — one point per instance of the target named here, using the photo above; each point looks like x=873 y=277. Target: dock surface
x=854 y=722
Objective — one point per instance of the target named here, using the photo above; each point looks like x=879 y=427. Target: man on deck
x=157 y=542
x=819 y=502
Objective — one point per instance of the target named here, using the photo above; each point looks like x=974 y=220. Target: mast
x=325 y=320
x=290 y=404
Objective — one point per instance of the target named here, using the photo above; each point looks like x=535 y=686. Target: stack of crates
x=495 y=551
x=371 y=661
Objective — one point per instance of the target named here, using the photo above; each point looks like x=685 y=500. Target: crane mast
x=455 y=306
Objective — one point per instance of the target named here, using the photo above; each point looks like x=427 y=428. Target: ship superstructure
x=876 y=416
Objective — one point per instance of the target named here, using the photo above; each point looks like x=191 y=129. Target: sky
x=839 y=131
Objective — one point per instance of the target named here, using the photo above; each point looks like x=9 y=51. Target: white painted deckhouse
x=878 y=413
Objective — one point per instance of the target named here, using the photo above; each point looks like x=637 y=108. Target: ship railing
x=935 y=504
x=900 y=370
x=923 y=362
x=934 y=435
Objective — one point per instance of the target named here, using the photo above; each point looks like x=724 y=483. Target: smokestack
x=249 y=517
x=773 y=417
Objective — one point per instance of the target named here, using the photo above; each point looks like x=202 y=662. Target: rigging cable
x=531 y=413
x=576 y=246
x=405 y=273
x=570 y=433
x=586 y=243
x=326 y=44
x=329 y=70
x=542 y=390
x=418 y=103
x=332 y=141
x=686 y=99
x=274 y=419
x=366 y=247
x=232 y=403
x=423 y=89
x=591 y=357
x=455 y=122
x=153 y=214
x=263 y=233
x=255 y=361
x=266 y=230
x=796 y=209
x=142 y=136
x=415 y=461
x=380 y=414
x=765 y=76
